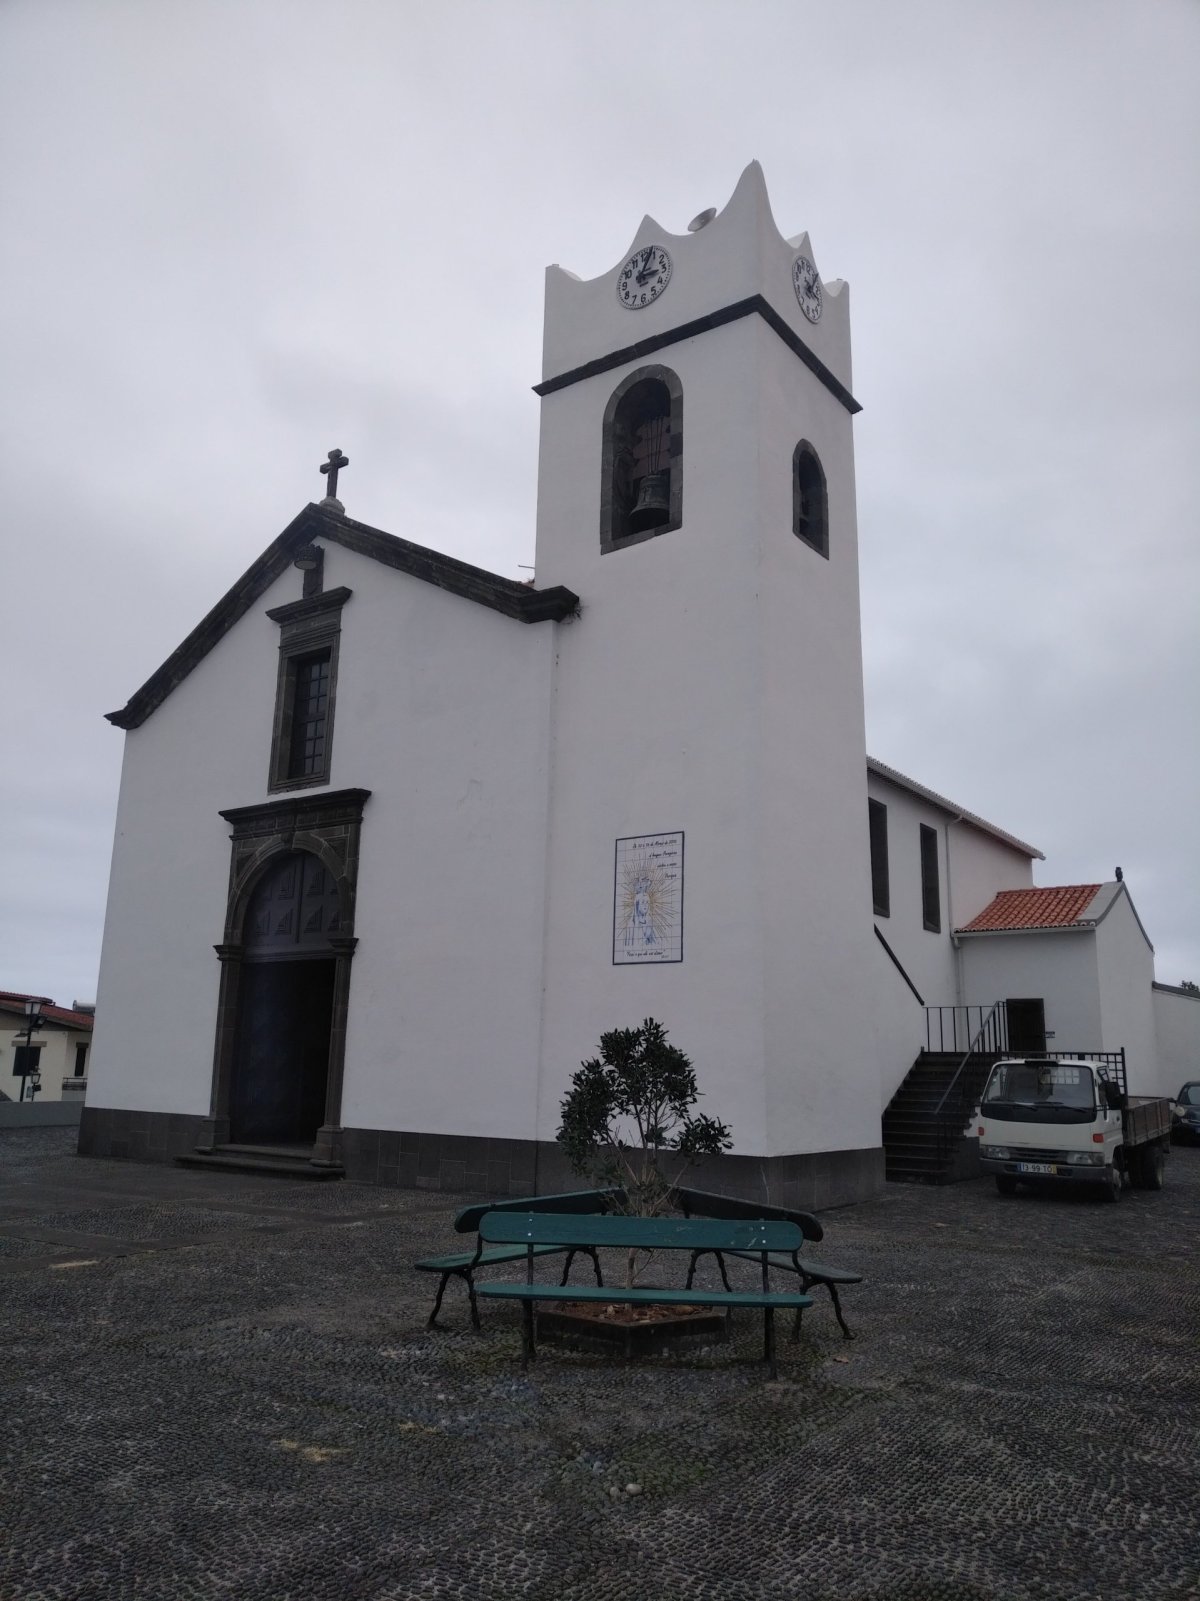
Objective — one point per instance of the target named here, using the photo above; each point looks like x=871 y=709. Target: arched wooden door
x=285 y=1005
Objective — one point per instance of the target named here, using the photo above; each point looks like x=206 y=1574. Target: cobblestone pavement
x=219 y=1387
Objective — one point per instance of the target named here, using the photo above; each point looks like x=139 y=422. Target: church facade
x=398 y=839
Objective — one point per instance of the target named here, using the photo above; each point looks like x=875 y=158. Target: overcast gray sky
x=239 y=232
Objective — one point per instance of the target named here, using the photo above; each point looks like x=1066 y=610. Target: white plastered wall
x=1177 y=1037
x=650 y=736
x=1060 y=967
x=1126 y=968
x=441 y=714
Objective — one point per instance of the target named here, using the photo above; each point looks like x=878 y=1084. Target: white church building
x=398 y=838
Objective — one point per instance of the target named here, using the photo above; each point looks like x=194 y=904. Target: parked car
x=1185 y=1117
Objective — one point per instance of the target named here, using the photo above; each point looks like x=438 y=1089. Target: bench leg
x=769 y=1340
x=431 y=1321
x=796 y=1324
x=474 y=1303
x=591 y=1251
x=837 y=1307
x=567 y=1268
x=724 y=1275
x=528 y=1349
x=696 y=1255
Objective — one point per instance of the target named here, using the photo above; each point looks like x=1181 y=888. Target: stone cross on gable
x=330 y=468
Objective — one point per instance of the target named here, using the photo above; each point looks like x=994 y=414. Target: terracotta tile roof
x=13 y=1001
x=1059 y=906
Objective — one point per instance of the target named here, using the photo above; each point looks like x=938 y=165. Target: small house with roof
x=50 y=1061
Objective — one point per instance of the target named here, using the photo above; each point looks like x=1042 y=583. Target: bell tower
x=696 y=490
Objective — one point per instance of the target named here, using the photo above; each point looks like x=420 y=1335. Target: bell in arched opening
x=651 y=476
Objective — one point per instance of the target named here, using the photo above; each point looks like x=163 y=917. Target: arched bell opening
x=810 y=499
x=285 y=1003
x=642 y=488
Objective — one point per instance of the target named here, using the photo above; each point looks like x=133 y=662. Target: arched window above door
x=810 y=499
x=641 y=490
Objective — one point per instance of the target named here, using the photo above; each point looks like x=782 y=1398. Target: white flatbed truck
x=1071 y=1120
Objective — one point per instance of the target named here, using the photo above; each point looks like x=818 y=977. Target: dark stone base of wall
x=492 y=1167
x=137 y=1136
x=487 y=1167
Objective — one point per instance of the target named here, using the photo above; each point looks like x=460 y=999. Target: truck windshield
x=1040 y=1092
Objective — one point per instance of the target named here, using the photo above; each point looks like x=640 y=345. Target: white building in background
x=51 y=1062
x=399 y=838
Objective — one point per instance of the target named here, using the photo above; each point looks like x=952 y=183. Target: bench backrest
x=644 y=1233
x=704 y=1203
x=577 y=1201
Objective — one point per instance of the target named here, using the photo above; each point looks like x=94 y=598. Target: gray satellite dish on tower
x=702 y=219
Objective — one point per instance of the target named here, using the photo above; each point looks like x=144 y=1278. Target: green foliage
x=629 y=1106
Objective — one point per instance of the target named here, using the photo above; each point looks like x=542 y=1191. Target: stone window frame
x=328 y=827
x=307 y=628
x=609 y=540
x=808 y=479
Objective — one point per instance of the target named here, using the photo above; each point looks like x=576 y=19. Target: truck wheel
x=1112 y=1184
x=1154 y=1164
x=1006 y=1184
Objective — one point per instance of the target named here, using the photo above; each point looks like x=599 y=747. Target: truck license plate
x=1036 y=1167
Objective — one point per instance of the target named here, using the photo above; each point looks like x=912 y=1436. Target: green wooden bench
x=533 y=1231
x=703 y=1203
x=463 y=1264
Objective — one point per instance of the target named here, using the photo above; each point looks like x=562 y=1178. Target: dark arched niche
x=810 y=499
x=641 y=489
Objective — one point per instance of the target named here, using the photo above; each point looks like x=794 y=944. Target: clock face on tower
x=808 y=287
x=643 y=277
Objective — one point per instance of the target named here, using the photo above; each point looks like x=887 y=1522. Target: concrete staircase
x=921 y=1145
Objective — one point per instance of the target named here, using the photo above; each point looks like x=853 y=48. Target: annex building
x=399 y=838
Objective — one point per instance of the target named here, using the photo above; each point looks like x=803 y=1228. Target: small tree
x=629 y=1106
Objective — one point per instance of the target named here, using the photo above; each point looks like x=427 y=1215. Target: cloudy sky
x=238 y=232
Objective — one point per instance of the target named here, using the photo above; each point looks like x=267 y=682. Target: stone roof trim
x=509 y=596
x=641 y=348
x=958 y=813
x=1014 y=911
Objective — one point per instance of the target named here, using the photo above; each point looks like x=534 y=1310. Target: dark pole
x=34 y=1015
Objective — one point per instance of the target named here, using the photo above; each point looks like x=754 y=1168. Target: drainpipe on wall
x=955 y=942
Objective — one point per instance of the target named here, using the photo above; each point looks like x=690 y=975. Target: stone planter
x=629 y=1331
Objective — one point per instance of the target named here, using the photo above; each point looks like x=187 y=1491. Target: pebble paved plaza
x=217 y=1387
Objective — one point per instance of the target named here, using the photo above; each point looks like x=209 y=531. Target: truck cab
x=1070 y=1120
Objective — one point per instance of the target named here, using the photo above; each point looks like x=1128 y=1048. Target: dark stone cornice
x=295 y=811
x=506 y=595
x=297 y=611
x=702 y=325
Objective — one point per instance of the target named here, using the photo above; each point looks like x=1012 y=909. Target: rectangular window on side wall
x=81 y=1061
x=302 y=735
x=880 y=885
x=27 y=1058
x=931 y=896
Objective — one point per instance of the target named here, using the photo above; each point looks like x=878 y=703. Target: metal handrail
x=958 y=1024
x=991 y=1028
x=969 y=1053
